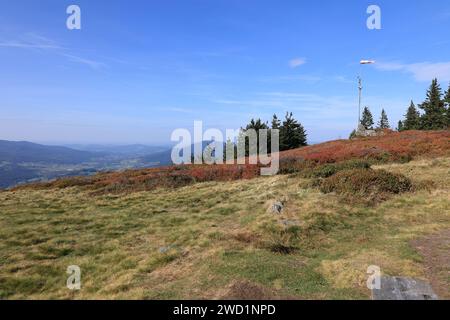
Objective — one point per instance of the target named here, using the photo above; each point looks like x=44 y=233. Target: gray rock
x=400 y=288
x=277 y=207
x=363 y=132
x=164 y=249
x=289 y=223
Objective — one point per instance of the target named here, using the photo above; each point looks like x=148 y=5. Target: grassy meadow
x=207 y=239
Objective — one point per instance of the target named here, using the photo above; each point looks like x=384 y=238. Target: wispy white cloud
x=308 y=78
x=314 y=106
x=422 y=71
x=343 y=79
x=257 y=102
x=16 y=44
x=310 y=105
x=297 y=62
x=32 y=41
x=91 y=63
x=178 y=110
x=289 y=78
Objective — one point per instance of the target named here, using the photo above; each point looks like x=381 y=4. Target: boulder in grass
x=401 y=288
x=276 y=207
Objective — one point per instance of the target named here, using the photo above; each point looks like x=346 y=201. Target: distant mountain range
x=132 y=149
x=22 y=151
x=23 y=161
x=165 y=157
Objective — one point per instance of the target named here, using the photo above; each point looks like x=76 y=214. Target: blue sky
x=137 y=70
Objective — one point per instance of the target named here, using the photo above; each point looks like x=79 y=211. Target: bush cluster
x=366 y=184
x=312 y=169
x=327 y=170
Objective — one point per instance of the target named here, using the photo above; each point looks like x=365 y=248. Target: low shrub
x=366 y=184
x=327 y=170
x=311 y=169
x=290 y=165
x=149 y=179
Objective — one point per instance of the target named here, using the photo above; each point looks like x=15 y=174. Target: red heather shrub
x=150 y=179
x=392 y=146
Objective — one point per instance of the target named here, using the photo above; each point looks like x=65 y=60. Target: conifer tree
x=276 y=123
x=447 y=105
x=384 y=121
x=400 y=126
x=367 y=118
x=230 y=150
x=292 y=134
x=256 y=125
x=412 y=118
x=434 y=117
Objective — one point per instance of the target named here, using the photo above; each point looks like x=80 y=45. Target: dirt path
x=435 y=250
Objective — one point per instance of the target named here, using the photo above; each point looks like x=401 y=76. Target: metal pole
x=359 y=104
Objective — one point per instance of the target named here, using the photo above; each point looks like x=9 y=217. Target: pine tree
x=367 y=118
x=447 y=104
x=255 y=125
x=292 y=134
x=434 y=117
x=400 y=126
x=241 y=143
x=276 y=123
x=412 y=118
x=384 y=121
x=230 y=149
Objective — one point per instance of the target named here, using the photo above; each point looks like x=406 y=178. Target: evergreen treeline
x=432 y=114
x=435 y=109
x=292 y=133
x=367 y=120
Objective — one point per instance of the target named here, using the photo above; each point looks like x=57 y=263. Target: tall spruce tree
x=276 y=123
x=384 y=121
x=447 y=105
x=434 y=117
x=292 y=134
x=412 y=118
x=367 y=118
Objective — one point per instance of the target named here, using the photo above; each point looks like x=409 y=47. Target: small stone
x=290 y=223
x=164 y=249
x=277 y=207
